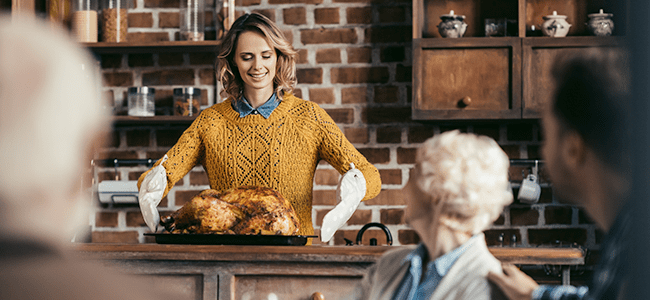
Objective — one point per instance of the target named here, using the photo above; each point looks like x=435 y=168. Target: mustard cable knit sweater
x=281 y=152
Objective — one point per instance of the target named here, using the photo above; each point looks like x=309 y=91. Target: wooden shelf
x=124 y=120
x=153 y=47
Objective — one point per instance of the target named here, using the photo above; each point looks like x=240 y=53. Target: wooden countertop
x=514 y=255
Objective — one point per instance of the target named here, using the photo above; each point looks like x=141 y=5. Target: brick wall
x=354 y=61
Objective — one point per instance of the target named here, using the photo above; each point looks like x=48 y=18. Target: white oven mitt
x=151 y=193
x=350 y=191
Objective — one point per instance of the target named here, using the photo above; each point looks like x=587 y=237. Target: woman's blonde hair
x=468 y=173
x=285 y=76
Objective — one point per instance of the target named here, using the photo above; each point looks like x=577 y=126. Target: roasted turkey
x=243 y=210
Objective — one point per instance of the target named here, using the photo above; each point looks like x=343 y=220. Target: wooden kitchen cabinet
x=478 y=77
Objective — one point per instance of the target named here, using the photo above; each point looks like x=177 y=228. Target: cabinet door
x=291 y=287
x=539 y=56
x=467 y=78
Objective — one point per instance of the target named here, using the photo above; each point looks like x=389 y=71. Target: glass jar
x=192 y=20
x=141 y=101
x=114 y=20
x=84 y=20
x=186 y=101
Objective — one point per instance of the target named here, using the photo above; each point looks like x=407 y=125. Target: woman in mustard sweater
x=263 y=135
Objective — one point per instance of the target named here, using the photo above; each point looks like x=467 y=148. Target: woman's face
x=256 y=61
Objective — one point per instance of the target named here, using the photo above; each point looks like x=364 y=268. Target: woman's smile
x=256 y=62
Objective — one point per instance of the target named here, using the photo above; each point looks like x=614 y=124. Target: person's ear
x=574 y=150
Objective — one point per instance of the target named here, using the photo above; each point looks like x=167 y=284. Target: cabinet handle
x=466 y=101
x=317 y=296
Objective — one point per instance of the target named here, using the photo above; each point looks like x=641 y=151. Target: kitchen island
x=289 y=272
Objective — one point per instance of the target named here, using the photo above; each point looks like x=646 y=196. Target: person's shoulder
x=301 y=108
x=219 y=111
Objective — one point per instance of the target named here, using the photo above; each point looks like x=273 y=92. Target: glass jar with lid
x=141 y=101
x=186 y=101
x=114 y=20
x=192 y=20
x=84 y=20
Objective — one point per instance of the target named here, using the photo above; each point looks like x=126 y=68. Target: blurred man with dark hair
x=586 y=134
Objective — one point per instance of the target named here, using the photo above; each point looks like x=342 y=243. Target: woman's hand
x=514 y=283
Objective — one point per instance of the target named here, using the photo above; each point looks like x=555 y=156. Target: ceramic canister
x=452 y=26
x=600 y=24
x=555 y=25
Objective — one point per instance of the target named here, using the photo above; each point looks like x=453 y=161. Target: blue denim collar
x=245 y=109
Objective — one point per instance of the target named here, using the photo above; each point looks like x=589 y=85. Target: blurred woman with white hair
x=459 y=186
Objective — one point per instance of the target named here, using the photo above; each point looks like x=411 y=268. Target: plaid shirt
x=608 y=274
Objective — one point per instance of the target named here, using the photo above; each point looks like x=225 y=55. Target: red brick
x=170 y=59
x=202 y=58
x=114 y=140
x=408 y=237
x=119 y=154
x=360 y=217
x=386 y=94
x=288 y=35
x=392 y=14
x=135 y=219
x=357 y=135
x=168 y=77
x=309 y=75
x=406 y=155
x=558 y=214
x=207 y=77
x=534 y=152
x=138 y=138
x=269 y=13
x=329 y=36
x=294 y=16
x=199 y=178
x=342 y=115
x=324 y=197
x=513 y=151
x=140 y=60
x=297 y=93
x=118 y=79
x=360 y=75
x=320 y=215
x=328 y=15
x=147 y=37
x=184 y=197
x=140 y=20
x=303 y=56
x=359 y=55
x=419 y=134
x=388 y=197
x=341 y=235
x=247 y=2
x=354 y=95
x=566 y=236
x=376 y=155
x=492 y=131
x=106 y=219
x=327 y=177
x=383 y=115
x=324 y=56
x=111 y=61
x=359 y=15
x=521 y=216
x=492 y=237
x=391 y=176
x=127 y=237
x=168 y=20
x=404 y=74
x=392 y=54
x=300 y=2
x=162 y=3
x=546 y=196
x=500 y=220
x=322 y=95
x=389 y=135
x=392 y=216
x=388 y=34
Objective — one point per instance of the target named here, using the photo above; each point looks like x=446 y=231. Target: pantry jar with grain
x=84 y=20
x=186 y=101
x=114 y=20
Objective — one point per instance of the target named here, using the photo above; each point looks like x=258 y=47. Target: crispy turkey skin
x=243 y=210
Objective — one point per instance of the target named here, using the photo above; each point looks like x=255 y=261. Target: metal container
x=141 y=101
x=186 y=101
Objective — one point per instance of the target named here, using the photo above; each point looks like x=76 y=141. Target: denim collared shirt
x=245 y=109
x=412 y=286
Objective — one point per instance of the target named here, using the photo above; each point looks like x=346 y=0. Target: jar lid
x=451 y=15
x=187 y=91
x=141 y=90
x=600 y=14
x=554 y=16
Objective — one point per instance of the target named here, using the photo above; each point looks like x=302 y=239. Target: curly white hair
x=469 y=174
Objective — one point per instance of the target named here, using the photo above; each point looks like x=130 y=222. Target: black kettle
x=373 y=241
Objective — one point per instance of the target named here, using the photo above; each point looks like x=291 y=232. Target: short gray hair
x=469 y=174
